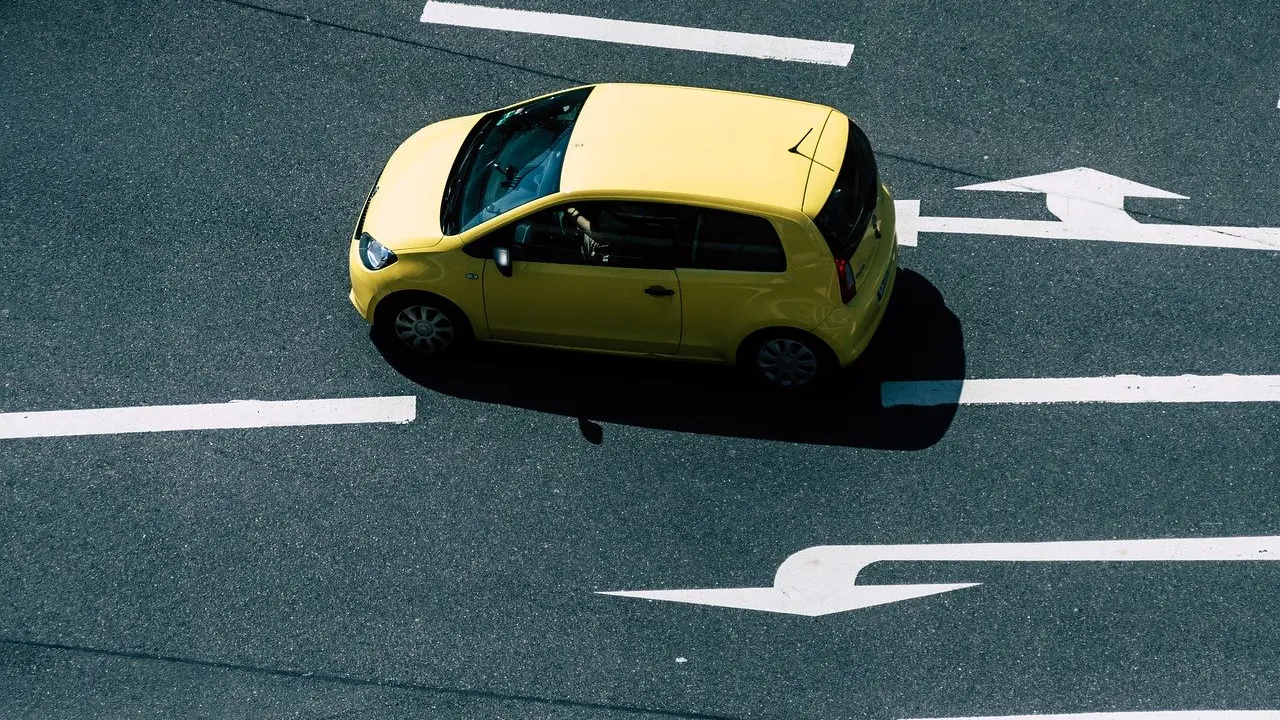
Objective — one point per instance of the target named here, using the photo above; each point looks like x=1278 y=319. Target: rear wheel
x=788 y=360
x=428 y=326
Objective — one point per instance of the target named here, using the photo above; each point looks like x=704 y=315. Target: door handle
x=659 y=291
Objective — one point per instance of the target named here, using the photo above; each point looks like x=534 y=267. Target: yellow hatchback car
x=663 y=221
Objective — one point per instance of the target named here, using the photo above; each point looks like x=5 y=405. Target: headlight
x=374 y=254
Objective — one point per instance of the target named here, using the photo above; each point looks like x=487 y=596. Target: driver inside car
x=593 y=245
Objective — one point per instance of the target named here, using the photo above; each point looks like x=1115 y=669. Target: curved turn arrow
x=822 y=580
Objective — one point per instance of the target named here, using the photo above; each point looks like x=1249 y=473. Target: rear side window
x=731 y=241
x=844 y=217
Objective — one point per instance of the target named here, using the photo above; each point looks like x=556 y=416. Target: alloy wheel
x=787 y=362
x=425 y=329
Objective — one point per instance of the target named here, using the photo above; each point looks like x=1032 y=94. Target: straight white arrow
x=1090 y=206
x=823 y=580
x=1081 y=197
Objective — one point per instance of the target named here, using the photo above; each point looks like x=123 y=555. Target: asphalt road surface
x=178 y=181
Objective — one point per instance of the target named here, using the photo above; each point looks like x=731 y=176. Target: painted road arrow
x=823 y=580
x=1089 y=205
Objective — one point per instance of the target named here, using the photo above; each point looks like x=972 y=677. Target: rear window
x=731 y=241
x=844 y=217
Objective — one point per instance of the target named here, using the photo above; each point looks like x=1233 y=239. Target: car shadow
x=919 y=339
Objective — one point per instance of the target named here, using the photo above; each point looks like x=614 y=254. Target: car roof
x=694 y=143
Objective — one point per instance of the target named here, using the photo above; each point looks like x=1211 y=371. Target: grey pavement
x=177 y=184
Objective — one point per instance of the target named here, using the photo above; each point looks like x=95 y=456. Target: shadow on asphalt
x=919 y=339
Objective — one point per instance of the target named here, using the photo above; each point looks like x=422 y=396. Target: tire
x=423 y=326
x=787 y=360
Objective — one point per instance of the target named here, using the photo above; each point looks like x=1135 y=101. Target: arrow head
x=1082 y=182
x=795 y=601
x=1081 y=196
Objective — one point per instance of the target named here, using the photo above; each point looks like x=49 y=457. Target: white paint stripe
x=672 y=37
x=1243 y=238
x=1117 y=389
x=236 y=414
x=907 y=213
x=1147 y=715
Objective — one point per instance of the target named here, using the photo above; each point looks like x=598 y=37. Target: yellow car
x=663 y=221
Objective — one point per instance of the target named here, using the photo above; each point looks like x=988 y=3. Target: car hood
x=404 y=210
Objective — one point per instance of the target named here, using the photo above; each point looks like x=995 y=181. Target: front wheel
x=429 y=327
x=788 y=360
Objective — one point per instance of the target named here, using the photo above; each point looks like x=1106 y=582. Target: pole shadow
x=919 y=339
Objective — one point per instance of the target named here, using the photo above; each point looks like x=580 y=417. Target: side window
x=482 y=248
x=631 y=234
x=546 y=237
x=541 y=237
x=607 y=233
x=732 y=241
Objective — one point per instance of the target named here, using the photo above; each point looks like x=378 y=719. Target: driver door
x=613 y=287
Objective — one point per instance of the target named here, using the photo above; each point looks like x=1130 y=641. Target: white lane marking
x=219 y=416
x=1090 y=206
x=1141 y=715
x=1122 y=389
x=908 y=221
x=673 y=37
x=822 y=580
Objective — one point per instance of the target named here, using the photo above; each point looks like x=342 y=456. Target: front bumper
x=362 y=309
x=361 y=287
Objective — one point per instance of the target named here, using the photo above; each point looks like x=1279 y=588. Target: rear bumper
x=849 y=330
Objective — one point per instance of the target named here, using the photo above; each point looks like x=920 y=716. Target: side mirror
x=502 y=260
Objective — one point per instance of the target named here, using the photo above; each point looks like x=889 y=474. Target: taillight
x=844 y=275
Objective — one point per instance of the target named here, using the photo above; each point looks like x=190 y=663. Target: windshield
x=843 y=219
x=510 y=158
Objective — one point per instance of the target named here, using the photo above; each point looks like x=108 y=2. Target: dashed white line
x=672 y=37
x=1122 y=389
x=218 y=416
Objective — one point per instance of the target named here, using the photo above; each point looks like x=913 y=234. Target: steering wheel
x=508 y=174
